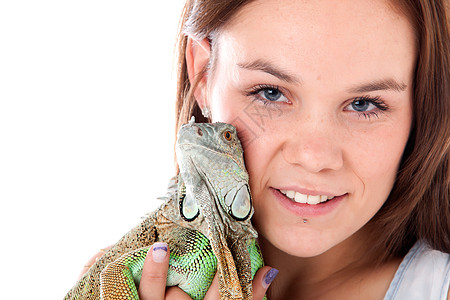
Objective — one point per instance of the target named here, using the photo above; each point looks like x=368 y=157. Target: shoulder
x=422 y=254
x=423 y=274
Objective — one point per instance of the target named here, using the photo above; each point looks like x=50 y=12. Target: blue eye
x=367 y=106
x=268 y=94
x=362 y=105
x=272 y=94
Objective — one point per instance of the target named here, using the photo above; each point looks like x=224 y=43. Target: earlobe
x=198 y=53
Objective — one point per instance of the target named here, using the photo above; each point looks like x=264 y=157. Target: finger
x=154 y=273
x=262 y=280
x=91 y=261
x=213 y=291
x=175 y=293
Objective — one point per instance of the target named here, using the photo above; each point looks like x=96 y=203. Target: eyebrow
x=379 y=85
x=267 y=67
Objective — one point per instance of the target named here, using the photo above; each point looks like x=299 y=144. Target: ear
x=198 y=53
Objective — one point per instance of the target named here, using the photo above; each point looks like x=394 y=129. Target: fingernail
x=269 y=277
x=159 y=252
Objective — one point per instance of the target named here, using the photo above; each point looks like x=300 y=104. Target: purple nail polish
x=164 y=248
x=159 y=252
x=269 y=277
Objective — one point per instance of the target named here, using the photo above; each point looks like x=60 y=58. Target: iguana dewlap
x=205 y=221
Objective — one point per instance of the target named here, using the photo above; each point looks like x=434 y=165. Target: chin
x=304 y=243
x=306 y=250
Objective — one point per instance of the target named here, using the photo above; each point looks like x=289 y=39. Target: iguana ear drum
x=241 y=206
x=189 y=208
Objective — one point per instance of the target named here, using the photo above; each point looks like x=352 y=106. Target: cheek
x=230 y=106
x=222 y=109
x=375 y=160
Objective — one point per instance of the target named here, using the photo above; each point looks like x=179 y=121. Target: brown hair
x=419 y=204
x=200 y=19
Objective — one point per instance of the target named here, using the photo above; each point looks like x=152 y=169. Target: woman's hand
x=92 y=261
x=154 y=274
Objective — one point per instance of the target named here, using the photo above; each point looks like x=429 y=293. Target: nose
x=315 y=144
x=198 y=130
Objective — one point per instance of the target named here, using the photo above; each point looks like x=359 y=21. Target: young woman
x=343 y=111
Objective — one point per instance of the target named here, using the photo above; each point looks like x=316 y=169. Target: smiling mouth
x=306 y=199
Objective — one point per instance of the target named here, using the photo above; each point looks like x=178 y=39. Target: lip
x=308 y=210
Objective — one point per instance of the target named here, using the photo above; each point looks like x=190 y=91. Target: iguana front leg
x=192 y=266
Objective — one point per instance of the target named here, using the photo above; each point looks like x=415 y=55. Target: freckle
x=319 y=77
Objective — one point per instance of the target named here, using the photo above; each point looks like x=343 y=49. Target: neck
x=320 y=276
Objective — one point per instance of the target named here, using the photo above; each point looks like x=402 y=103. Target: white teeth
x=302 y=198
x=290 y=194
x=313 y=200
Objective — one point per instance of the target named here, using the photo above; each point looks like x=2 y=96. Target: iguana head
x=217 y=198
x=214 y=152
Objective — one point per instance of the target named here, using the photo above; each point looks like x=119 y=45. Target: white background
x=87 y=93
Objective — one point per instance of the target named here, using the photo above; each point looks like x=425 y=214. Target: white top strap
x=423 y=274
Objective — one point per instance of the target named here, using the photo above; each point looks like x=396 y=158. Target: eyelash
x=379 y=104
x=254 y=92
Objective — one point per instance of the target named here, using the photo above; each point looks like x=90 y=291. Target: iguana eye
x=228 y=135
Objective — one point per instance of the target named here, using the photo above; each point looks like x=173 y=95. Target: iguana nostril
x=199 y=131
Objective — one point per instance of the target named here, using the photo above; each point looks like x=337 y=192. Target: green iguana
x=205 y=221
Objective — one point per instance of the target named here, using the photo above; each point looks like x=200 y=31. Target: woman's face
x=321 y=94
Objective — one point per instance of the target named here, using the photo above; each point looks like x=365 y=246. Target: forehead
x=313 y=36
